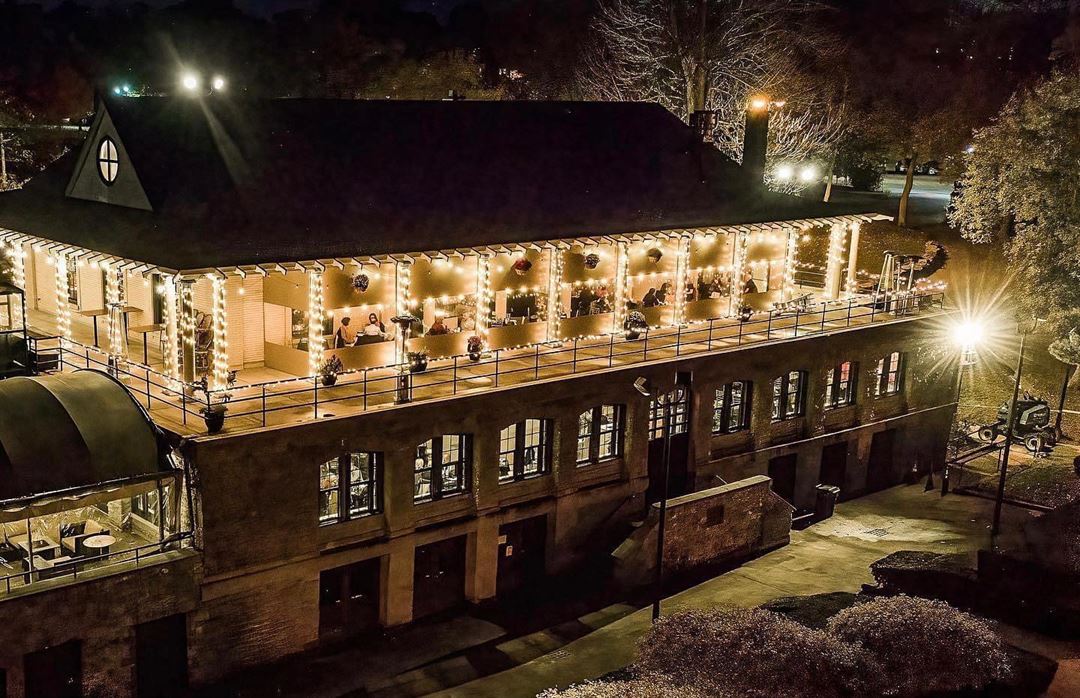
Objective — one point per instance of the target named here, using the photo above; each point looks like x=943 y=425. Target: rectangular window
x=524 y=450
x=441 y=467
x=840 y=385
x=600 y=432
x=349 y=486
x=731 y=408
x=669 y=413
x=889 y=374
x=789 y=395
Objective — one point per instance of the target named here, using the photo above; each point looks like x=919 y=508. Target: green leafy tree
x=1020 y=189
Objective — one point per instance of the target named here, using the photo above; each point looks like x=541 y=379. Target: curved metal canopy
x=65 y=436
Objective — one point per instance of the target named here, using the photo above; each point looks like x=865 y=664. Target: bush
x=752 y=652
x=864 y=172
x=638 y=688
x=924 y=645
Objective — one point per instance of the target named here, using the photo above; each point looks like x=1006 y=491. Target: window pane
x=585 y=420
x=422 y=467
x=507 y=447
x=735 y=418
x=777 y=387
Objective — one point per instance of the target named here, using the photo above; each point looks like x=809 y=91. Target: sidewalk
x=831 y=556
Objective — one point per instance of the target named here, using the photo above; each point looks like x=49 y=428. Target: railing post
x=678 y=340
x=573 y=358
x=824 y=307
x=87 y=352
x=768 y=328
x=536 y=363
x=316 y=379
x=610 y=348
x=851 y=302
x=873 y=308
x=741 y=323
x=148 y=390
x=497 y=352
x=454 y=386
x=183 y=405
x=708 y=343
x=365 y=388
x=263 y=411
x=796 y=322
x=645 y=346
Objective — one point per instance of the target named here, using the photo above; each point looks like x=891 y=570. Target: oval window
x=108 y=160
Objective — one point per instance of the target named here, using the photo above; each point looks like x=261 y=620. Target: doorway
x=782 y=470
x=834 y=465
x=349 y=598
x=54 y=672
x=880 y=465
x=669 y=420
x=522 y=546
x=439 y=576
x=161 y=657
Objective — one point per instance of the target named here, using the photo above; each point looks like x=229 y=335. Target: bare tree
x=717 y=54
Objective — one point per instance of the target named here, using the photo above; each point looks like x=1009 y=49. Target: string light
x=622 y=285
x=18 y=265
x=483 y=296
x=315 y=321
x=112 y=299
x=850 y=284
x=555 y=272
x=790 y=261
x=172 y=350
x=63 y=313
x=742 y=243
x=835 y=260
x=682 y=255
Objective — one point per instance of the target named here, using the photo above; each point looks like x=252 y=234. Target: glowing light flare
x=784 y=173
x=190 y=81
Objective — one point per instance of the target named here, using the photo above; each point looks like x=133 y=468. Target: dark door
x=834 y=465
x=521 y=555
x=879 y=468
x=55 y=672
x=782 y=470
x=439 y=576
x=669 y=419
x=161 y=657
x=349 y=598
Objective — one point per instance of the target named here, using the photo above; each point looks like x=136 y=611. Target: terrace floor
x=263 y=397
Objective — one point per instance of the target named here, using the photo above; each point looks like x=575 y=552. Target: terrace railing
x=298 y=399
x=71 y=570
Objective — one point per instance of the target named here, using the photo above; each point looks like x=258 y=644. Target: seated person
x=345 y=336
x=438 y=327
x=600 y=304
x=374 y=328
x=749 y=286
x=650 y=300
x=662 y=294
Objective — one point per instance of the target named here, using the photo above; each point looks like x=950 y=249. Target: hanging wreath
x=361 y=282
x=522 y=266
x=591 y=260
x=654 y=255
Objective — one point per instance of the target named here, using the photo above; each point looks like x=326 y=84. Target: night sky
x=266 y=8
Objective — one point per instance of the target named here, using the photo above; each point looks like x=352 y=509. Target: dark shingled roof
x=248 y=181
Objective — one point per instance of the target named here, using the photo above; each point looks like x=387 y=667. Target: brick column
x=396 y=584
x=482 y=560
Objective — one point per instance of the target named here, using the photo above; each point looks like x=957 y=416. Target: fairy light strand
x=172 y=349
x=554 y=303
x=315 y=321
x=63 y=312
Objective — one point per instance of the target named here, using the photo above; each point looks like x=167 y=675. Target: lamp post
x=1010 y=423
x=967 y=337
x=644 y=386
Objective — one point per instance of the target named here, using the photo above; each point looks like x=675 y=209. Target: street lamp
x=218 y=83
x=1010 y=423
x=645 y=387
x=189 y=81
x=966 y=336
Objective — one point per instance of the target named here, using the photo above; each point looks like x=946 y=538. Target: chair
x=72 y=542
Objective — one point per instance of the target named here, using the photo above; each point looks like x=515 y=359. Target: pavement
x=833 y=555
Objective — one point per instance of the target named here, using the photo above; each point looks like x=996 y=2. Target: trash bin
x=825 y=501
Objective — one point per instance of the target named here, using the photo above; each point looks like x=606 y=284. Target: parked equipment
x=1032 y=428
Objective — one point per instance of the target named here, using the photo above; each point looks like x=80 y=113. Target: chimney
x=756 y=138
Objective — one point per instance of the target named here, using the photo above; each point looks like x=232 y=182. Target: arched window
x=442 y=467
x=108 y=160
x=525 y=450
x=600 y=434
x=840 y=385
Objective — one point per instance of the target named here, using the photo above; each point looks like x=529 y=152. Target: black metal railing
x=252 y=404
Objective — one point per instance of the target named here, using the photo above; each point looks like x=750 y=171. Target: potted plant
x=475 y=347
x=213 y=413
x=329 y=370
x=634 y=324
x=745 y=311
x=417 y=361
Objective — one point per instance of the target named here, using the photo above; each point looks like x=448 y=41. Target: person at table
x=662 y=294
x=748 y=285
x=600 y=304
x=374 y=328
x=438 y=327
x=650 y=300
x=345 y=335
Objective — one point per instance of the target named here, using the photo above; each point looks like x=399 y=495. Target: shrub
x=637 y=688
x=752 y=652
x=924 y=645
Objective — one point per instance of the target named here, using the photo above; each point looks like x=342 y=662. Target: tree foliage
x=1020 y=189
x=717 y=54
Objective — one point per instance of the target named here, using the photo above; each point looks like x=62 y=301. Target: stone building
x=392 y=347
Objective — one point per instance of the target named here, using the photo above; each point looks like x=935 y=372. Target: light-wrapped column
x=622 y=284
x=554 y=304
x=117 y=345
x=834 y=265
x=853 y=259
x=791 y=261
x=172 y=329
x=483 y=296
x=315 y=321
x=742 y=244
x=682 y=264
x=18 y=265
x=63 y=313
